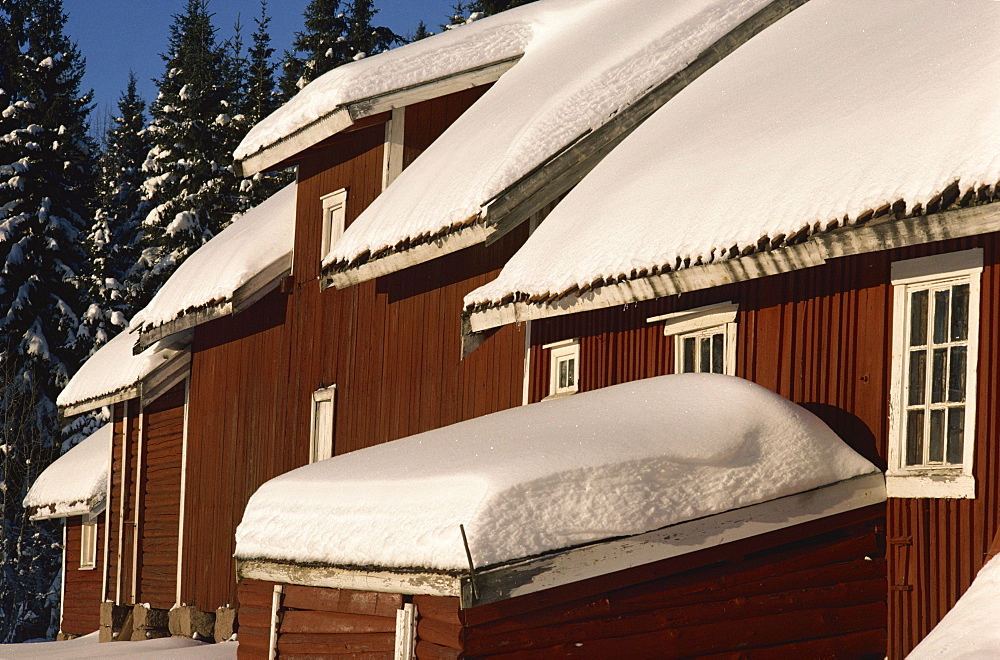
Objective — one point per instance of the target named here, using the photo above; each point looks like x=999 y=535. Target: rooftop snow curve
x=76 y=482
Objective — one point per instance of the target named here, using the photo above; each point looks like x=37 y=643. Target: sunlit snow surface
x=88 y=647
x=218 y=268
x=836 y=109
x=971 y=630
x=618 y=461
x=76 y=482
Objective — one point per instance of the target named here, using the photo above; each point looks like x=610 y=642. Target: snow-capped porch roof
x=836 y=114
x=616 y=462
x=76 y=482
x=591 y=70
x=229 y=273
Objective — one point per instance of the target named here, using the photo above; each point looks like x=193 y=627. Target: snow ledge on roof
x=76 y=482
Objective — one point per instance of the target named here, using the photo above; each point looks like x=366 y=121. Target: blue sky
x=117 y=36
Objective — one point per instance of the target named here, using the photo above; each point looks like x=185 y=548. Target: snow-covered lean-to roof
x=837 y=114
x=76 y=483
x=230 y=272
x=616 y=462
x=584 y=62
x=115 y=374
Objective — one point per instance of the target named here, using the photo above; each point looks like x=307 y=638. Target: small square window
x=935 y=349
x=334 y=218
x=564 y=367
x=88 y=543
x=321 y=436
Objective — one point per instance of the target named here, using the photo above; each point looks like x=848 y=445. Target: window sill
x=87 y=568
x=930 y=484
x=560 y=395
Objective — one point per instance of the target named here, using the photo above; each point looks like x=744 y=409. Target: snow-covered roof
x=235 y=267
x=614 y=462
x=837 y=112
x=113 y=373
x=76 y=482
x=969 y=631
x=583 y=63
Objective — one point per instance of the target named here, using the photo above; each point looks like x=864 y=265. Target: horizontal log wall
x=81 y=597
x=822 y=337
x=121 y=525
x=440 y=633
x=816 y=590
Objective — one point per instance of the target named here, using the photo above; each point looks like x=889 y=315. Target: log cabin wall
x=391 y=346
x=81 y=597
x=121 y=512
x=822 y=337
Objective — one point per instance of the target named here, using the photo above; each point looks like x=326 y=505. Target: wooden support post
x=272 y=645
x=406 y=632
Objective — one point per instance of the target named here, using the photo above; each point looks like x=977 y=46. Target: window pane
x=563 y=380
x=717 y=353
x=915 y=437
x=941 y=304
x=918 y=318
x=689 y=355
x=938 y=375
x=956 y=375
x=570 y=372
x=960 y=312
x=705 y=348
x=935 y=447
x=956 y=434
x=918 y=377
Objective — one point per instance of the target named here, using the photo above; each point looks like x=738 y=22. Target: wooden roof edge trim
x=429 y=583
x=599 y=559
x=191 y=318
x=117 y=396
x=343 y=116
x=473 y=232
x=842 y=242
x=92 y=506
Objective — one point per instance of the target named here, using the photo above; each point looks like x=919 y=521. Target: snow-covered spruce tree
x=113 y=241
x=364 y=38
x=46 y=168
x=420 y=33
x=190 y=184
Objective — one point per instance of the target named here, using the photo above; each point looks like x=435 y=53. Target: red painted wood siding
x=121 y=514
x=822 y=338
x=81 y=598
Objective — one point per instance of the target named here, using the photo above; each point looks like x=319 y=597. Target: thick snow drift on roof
x=836 y=109
x=114 y=368
x=614 y=462
x=75 y=483
x=474 y=45
x=585 y=61
x=969 y=631
x=88 y=646
x=217 y=269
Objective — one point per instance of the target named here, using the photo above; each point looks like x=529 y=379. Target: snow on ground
x=835 y=109
x=969 y=631
x=88 y=647
x=211 y=275
x=75 y=483
x=584 y=61
x=113 y=368
x=614 y=462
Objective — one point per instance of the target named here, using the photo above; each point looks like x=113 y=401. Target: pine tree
x=260 y=97
x=190 y=184
x=113 y=241
x=490 y=7
x=363 y=38
x=420 y=33
x=46 y=168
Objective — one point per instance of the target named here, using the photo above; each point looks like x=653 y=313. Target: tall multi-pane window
x=334 y=219
x=935 y=344
x=564 y=367
x=88 y=542
x=321 y=444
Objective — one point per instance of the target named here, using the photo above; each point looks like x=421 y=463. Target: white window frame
x=946 y=481
x=392 y=151
x=701 y=323
x=559 y=351
x=321 y=441
x=334 y=219
x=88 y=542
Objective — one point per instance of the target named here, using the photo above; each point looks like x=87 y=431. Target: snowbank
x=583 y=63
x=87 y=646
x=76 y=482
x=969 y=631
x=614 y=462
x=210 y=276
x=113 y=369
x=836 y=109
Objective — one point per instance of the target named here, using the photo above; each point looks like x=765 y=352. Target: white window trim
x=334 y=219
x=699 y=321
x=557 y=351
x=321 y=395
x=392 y=151
x=932 y=482
x=89 y=523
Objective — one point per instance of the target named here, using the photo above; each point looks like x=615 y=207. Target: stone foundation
x=148 y=623
x=112 y=619
x=226 y=624
x=187 y=621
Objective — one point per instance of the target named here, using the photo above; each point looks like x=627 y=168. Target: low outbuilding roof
x=76 y=482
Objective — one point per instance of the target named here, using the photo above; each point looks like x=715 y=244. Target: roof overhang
x=553 y=570
x=91 y=507
x=550 y=180
x=885 y=234
x=343 y=116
